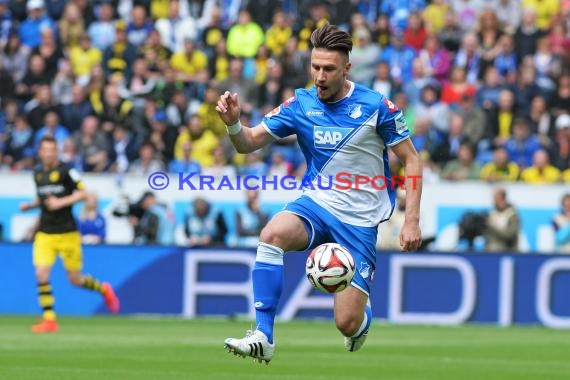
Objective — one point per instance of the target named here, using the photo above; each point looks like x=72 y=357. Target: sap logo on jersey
x=329 y=137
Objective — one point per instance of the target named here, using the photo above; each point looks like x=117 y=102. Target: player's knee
x=272 y=235
x=42 y=275
x=347 y=324
x=75 y=279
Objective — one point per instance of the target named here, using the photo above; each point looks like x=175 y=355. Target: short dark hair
x=47 y=138
x=331 y=37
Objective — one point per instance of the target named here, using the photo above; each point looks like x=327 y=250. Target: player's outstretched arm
x=25 y=206
x=411 y=235
x=245 y=140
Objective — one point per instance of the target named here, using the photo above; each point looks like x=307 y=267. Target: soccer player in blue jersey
x=341 y=126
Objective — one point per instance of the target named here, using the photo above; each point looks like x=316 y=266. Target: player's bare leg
x=77 y=278
x=285 y=232
x=351 y=316
x=48 y=324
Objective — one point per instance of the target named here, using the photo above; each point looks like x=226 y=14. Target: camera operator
x=503 y=224
x=133 y=211
x=155 y=225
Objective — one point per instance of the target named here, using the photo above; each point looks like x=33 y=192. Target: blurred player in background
x=341 y=126
x=58 y=188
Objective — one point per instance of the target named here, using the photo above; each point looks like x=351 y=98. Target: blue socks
x=267 y=280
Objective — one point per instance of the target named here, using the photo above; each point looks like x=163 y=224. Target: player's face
x=48 y=153
x=329 y=70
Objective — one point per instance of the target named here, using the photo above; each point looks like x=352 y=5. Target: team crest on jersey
x=288 y=101
x=354 y=111
x=54 y=176
x=329 y=137
x=391 y=106
x=273 y=112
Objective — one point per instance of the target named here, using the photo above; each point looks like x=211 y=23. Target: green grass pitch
x=108 y=348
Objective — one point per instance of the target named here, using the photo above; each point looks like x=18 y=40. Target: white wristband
x=234 y=128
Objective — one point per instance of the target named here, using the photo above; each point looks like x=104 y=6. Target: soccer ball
x=330 y=268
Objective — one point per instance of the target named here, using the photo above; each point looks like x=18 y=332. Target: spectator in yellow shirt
x=545 y=11
x=203 y=142
x=208 y=114
x=500 y=169
x=278 y=34
x=83 y=58
x=434 y=16
x=541 y=172
x=159 y=9
x=191 y=64
x=566 y=176
x=245 y=37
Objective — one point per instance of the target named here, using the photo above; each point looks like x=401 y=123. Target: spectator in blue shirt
x=254 y=165
x=30 y=29
x=506 y=59
x=204 y=226
x=72 y=114
x=523 y=144
x=250 y=219
x=488 y=94
x=102 y=31
x=561 y=224
x=139 y=28
x=186 y=164
x=6 y=23
x=91 y=223
x=19 y=148
x=400 y=57
x=399 y=10
x=469 y=58
x=54 y=128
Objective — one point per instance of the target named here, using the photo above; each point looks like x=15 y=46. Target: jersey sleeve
x=392 y=124
x=75 y=182
x=280 y=121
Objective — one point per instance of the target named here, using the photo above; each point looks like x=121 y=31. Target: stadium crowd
x=131 y=86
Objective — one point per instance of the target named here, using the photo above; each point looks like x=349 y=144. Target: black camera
x=472 y=225
x=126 y=208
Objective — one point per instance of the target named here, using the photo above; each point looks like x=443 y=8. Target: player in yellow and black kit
x=58 y=188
